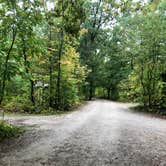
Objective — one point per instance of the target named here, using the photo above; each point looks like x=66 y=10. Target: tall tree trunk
x=142 y=83
x=51 y=83
x=6 y=66
x=58 y=88
x=50 y=75
x=32 y=98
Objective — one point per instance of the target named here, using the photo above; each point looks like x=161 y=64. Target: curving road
x=101 y=133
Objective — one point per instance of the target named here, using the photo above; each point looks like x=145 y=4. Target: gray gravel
x=101 y=133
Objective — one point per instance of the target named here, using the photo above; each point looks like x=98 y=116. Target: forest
x=55 y=54
x=82 y=82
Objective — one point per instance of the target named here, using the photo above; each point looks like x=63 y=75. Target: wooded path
x=101 y=133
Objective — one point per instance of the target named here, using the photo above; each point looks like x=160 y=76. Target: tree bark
x=51 y=83
x=58 y=89
x=108 y=93
x=32 y=92
x=6 y=66
x=32 y=98
x=91 y=90
x=50 y=75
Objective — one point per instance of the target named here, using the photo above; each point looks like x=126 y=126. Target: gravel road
x=101 y=133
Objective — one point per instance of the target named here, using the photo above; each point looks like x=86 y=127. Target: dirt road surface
x=101 y=133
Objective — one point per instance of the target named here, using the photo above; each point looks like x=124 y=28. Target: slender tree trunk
x=32 y=98
x=58 y=89
x=51 y=83
x=142 y=83
x=163 y=100
x=91 y=90
x=108 y=93
x=32 y=92
x=6 y=66
x=91 y=84
x=51 y=76
x=58 y=86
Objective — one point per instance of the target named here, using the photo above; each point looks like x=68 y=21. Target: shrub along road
x=100 y=133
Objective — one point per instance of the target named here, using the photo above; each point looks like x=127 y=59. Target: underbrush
x=18 y=106
x=7 y=130
x=157 y=110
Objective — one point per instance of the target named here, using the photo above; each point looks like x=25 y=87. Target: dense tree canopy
x=55 y=53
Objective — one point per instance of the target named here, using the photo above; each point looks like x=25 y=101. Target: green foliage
x=8 y=130
x=145 y=38
x=56 y=56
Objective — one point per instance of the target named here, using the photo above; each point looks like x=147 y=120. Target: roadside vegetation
x=56 y=54
x=7 y=130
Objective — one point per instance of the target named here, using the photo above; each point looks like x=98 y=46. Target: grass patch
x=46 y=112
x=7 y=130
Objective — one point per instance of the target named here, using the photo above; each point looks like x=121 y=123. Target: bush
x=19 y=104
x=8 y=130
